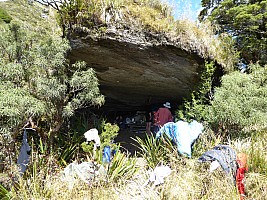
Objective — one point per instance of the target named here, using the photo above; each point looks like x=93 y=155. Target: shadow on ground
x=126 y=139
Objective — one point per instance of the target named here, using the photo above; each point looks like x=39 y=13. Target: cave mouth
x=131 y=120
x=113 y=109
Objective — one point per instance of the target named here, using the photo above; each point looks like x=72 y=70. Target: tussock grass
x=54 y=188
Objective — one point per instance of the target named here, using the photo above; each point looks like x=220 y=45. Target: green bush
x=241 y=101
x=108 y=132
x=257 y=153
x=195 y=107
x=4 y=16
x=37 y=80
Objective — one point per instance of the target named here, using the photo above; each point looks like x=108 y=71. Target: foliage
x=245 y=21
x=196 y=106
x=257 y=152
x=37 y=81
x=240 y=102
x=206 y=141
x=66 y=154
x=157 y=152
x=107 y=135
x=97 y=13
x=202 y=39
x=18 y=105
x=4 y=16
x=152 y=15
x=121 y=168
x=189 y=179
x=25 y=13
x=4 y=193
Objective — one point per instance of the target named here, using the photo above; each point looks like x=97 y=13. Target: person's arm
x=170 y=117
x=156 y=117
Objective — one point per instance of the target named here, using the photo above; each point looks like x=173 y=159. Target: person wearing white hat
x=167 y=105
x=163 y=115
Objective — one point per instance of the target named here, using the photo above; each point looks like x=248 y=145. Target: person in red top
x=163 y=115
x=240 y=174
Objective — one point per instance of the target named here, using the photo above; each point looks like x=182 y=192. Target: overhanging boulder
x=133 y=68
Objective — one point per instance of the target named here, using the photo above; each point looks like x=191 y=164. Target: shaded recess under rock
x=132 y=70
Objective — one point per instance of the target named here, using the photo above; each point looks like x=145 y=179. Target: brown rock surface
x=132 y=69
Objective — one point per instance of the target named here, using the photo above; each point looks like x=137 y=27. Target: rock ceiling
x=131 y=72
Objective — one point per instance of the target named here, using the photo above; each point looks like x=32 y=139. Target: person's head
x=167 y=105
x=242 y=157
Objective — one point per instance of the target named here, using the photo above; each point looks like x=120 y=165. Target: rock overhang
x=131 y=73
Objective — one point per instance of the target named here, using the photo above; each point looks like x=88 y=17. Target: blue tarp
x=225 y=155
x=182 y=133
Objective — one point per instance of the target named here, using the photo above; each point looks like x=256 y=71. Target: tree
x=38 y=83
x=245 y=20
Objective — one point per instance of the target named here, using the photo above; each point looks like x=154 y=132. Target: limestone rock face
x=133 y=69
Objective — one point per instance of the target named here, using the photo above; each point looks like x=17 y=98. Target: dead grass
x=189 y=179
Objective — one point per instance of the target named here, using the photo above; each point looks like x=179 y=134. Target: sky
x=186 y=8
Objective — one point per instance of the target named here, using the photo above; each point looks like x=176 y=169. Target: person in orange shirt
x=163 y=115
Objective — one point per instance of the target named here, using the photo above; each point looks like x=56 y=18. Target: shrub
x=241 y=101
x=195 y=106
x=43 y=84
x=107 y=134
x=157 y=151
x=4 y=16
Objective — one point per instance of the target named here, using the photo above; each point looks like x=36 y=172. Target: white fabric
x=158 y=175
x=214 y=165
x=85 y=171
x=92 y=135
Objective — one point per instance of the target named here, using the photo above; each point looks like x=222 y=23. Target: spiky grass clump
x=156 y=152
x=44 y=179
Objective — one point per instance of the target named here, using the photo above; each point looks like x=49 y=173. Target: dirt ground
x=126 y=140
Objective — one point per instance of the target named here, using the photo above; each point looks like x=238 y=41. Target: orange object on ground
x=241 y=159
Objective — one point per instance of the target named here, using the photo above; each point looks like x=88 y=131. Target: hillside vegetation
x=41 y=89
